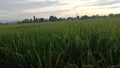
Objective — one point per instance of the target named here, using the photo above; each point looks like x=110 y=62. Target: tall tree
x=34 y=19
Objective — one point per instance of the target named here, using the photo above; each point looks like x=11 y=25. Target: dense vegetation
x=90 y=43
x=54 y=18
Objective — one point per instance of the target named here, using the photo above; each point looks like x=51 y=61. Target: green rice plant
x=90 y=43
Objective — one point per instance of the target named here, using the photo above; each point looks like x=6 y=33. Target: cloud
x=21 y=5
x=9 y=9
x=98 y=3
x=20 y=9
x=106 y=2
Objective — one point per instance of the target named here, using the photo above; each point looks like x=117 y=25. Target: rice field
x=90 y=43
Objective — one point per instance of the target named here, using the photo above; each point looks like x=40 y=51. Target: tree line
x=54 y=18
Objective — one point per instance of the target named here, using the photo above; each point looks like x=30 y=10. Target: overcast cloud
x=19 y=9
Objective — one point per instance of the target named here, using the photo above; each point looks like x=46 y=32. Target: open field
x=90 y=43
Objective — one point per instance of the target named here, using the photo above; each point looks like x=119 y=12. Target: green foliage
x=91 y=43
x=52 y=18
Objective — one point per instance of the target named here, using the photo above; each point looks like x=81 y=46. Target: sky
x=11 y=10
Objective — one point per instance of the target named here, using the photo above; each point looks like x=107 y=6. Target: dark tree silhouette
x=61 y=19
x=77 y=17
x=34 y=19
x=31 y=20
x=41 y=20
x=52 y=18
x=26 y=21
x=111 y=15
x=70 y=18
x=85 y=17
